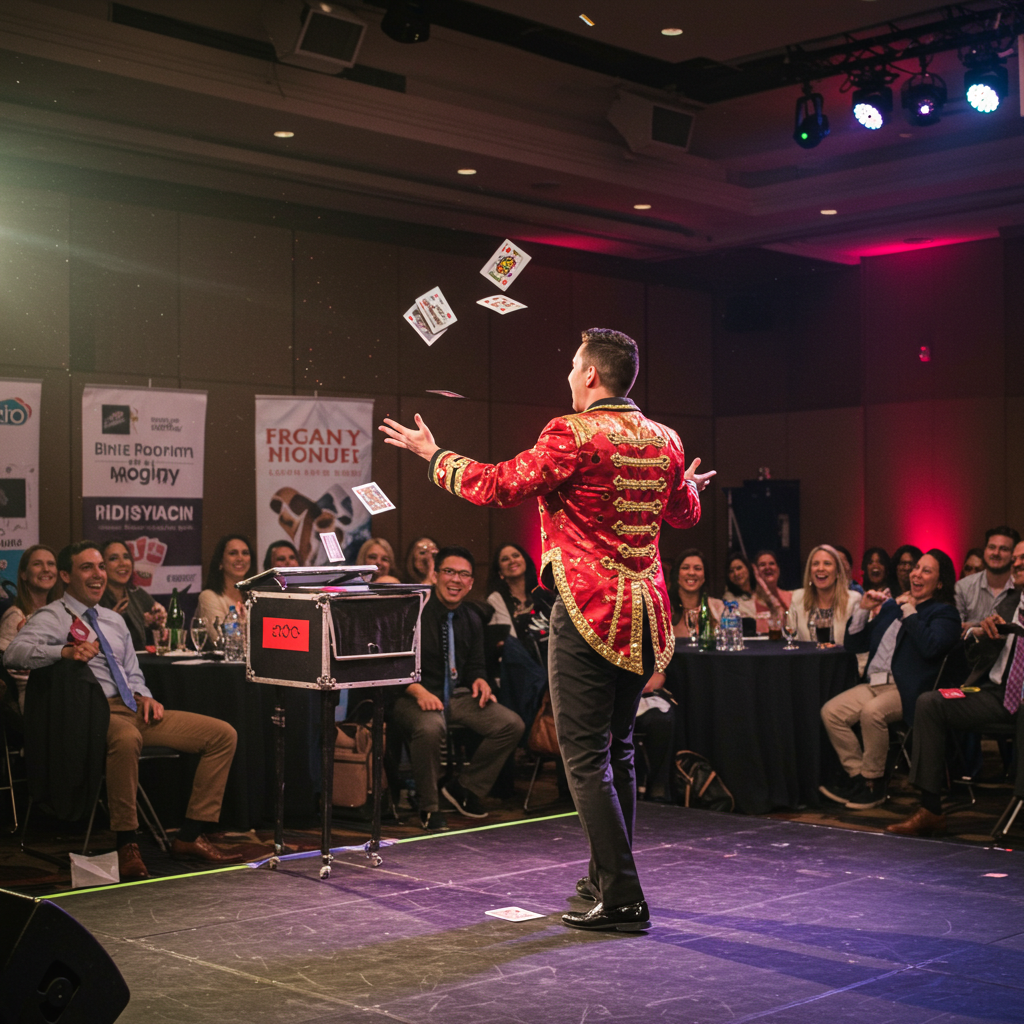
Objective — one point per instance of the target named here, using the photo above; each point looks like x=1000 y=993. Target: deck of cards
x=500 y=304
x=430 y=315
x=505 y=265
x=373 y=498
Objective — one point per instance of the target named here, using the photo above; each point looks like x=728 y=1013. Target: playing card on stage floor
x=373 y=498
x=415 y=319
x=436 y=311
x=444 y=394
x=505 y=265
x=500 y=304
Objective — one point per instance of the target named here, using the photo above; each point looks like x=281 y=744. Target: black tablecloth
x=221 y=690
x=755 y=715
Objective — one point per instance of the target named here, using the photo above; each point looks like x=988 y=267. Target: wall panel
x=34 y=325
x=124 y=288
x=236 y=302
x=347 y=314
x=679 y=367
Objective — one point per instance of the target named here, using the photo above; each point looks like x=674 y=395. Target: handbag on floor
x=543 y=739
x=353 y=774
x=696 y=784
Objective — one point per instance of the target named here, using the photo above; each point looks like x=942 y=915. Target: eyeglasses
x=462 y=574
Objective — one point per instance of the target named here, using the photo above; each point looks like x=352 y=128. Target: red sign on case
x=286 y=634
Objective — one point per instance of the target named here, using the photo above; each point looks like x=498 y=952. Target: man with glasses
x=453 y=690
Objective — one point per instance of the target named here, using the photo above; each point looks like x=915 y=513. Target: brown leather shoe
x=130 y=867
x=921 y=823
x=203 y=849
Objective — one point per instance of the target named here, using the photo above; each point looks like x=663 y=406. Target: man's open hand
x=700 y=479
x=419 y=441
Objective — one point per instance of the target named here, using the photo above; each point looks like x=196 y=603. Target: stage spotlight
x=811 y=125
x=406 y=21
x=986 y=85
x=923 y=97
x=872 y=104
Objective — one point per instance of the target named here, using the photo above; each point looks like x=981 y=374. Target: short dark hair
x=615 y=357
x=974 y=553
x=845 y=552
x=271 y=548
x=1003 y=531
x=454 y=551
x=947 y=576
x=65 y=554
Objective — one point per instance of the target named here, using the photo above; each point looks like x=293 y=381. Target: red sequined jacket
x=605 y=479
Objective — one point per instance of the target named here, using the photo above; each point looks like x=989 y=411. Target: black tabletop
x=221 y=690
x=755 y=715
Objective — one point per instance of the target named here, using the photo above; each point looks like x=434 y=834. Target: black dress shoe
x=586 y=890
x=634 y=917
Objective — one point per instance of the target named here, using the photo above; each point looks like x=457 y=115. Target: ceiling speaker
x=317 y=36
x=650 y=127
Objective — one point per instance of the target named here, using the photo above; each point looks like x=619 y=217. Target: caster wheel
x=273 y=863
x=375 y=860
x=325 y=871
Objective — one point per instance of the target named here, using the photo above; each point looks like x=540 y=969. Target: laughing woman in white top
x=826 y=586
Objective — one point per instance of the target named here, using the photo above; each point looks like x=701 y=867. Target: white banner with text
x=19 y=475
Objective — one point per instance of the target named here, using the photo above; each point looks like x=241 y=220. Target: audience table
x=755 y=715
x=221 y=690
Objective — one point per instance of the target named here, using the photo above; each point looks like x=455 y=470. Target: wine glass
x=692 y=620
x=789 y=629
x=199 y=632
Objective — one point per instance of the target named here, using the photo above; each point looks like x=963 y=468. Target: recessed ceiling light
x=284 y=135
x=641 y=206
x=671 y=31
x=829 y=213
x=466 y=170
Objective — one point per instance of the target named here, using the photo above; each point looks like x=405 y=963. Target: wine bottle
x=706 y=625
x=176 y=622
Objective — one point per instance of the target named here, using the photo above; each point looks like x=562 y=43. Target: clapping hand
x=873 y=599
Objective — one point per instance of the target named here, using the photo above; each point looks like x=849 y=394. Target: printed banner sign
x=310 y=453
x=142 y=480
x=19 y=475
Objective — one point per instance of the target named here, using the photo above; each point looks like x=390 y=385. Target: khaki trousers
x=127 y=734
x=874 y=707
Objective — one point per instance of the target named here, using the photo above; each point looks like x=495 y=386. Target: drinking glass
x=199 y=632
x=775 y=619
x=789 y=628
x=692 y=619
x=162 y=639
x=822 y=624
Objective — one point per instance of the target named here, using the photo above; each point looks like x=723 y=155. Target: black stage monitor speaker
x=52 y=971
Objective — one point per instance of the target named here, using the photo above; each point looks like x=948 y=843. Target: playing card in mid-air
x=373 y=498
x=500 y=304
x=437 y=314
x=505 y=265
x=445 y=394
x=419 y=325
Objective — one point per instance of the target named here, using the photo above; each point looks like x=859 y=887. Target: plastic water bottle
x=732 y=627
x=234 y=644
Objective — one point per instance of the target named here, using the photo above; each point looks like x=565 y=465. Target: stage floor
x=753 y=919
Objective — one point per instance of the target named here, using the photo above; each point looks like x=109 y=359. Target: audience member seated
x=907 y=640
x=847 y=558
x=229 y=565
x=38 y=585
x=75 y=628
x=876 y=570
x=687 y=585
x=419 y=560
x=998 y=673
x=1017 y=566
x=977 y=594
x=826 y=587
x=767 y=565
x=377 y=551
x=281 y=554
x=747 y=589
x=904 y=558
x=140 y=611
x=454 y=690
x=974 y=561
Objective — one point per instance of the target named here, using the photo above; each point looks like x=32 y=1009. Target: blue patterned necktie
x=451 y=673
x=115 y=670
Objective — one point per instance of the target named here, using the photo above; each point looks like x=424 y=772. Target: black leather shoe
x=586 y=890
x=632 y=918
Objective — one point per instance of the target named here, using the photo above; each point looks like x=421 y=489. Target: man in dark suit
x=907 y=641
x=998 y=672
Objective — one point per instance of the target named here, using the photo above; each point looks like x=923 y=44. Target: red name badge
x=952 y=693
x=286 y=634
x=79 y=632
